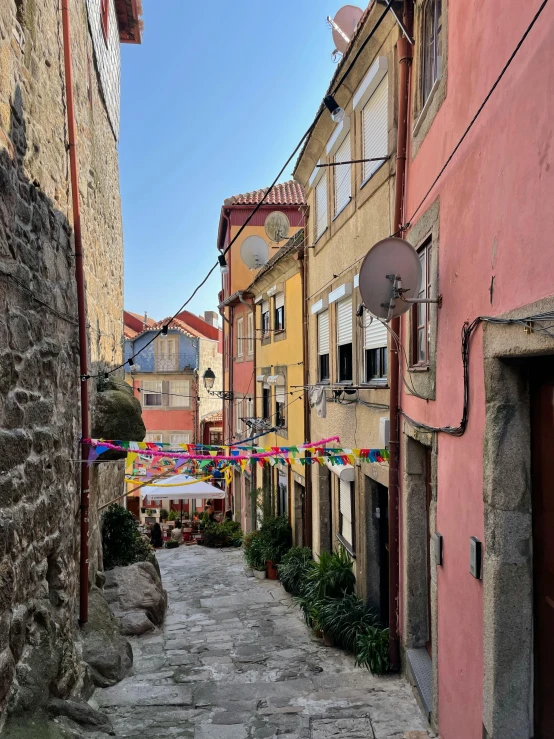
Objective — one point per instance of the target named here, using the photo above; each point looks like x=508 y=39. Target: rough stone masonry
x=39 y=377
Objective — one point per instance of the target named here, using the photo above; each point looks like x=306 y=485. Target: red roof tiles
x=286 y=193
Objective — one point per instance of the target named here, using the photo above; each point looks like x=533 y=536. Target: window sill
x=325 y=382
x=375 y=384
x=347 y=545
x=421 y=117
x=345 y=383
x=419 y=368
x=372 y=175
x=337 y=214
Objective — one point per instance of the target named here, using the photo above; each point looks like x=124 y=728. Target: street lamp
x=209 y=379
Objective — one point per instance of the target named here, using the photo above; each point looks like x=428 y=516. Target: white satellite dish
x=254 y=252
x=390 y=278
x=277 y=226
x=344 y=25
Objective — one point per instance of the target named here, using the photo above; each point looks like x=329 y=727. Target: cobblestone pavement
x=234 y=660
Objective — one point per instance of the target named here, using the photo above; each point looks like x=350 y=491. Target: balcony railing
x=175 y=362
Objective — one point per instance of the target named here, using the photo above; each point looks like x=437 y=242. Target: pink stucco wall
x=496 y=219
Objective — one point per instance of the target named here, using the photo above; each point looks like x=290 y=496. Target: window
x=279 y=312
x=250 y=332
x=375 y=129
x=249 y=412
x=431 y=47
x=238 y=415
x=280 y=406
x=343 y=183
x=323 y=345
x=104 y=17
x=266 y=403
x=375 y=350
x=265 y=318
x=167 y=354
x=320 y=207
x=154 y=437
x=179 y=439
x=420 y=311
x=178 y=394
x=344 y=340
x=240 y=337
x=152 y=393
x=346 y=514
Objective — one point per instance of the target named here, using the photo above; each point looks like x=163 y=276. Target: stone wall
x=39 y=376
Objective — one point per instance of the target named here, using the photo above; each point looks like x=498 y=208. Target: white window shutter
x=343 y=184
x=280 y=394
x=279 y=300
x=375 y=333
x=375 y=128
x=345 y=503
x=344 y=322
x=265 y=306
x=321 y=206
x=323 y=332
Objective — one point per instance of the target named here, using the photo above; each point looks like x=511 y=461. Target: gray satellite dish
x=344 y=25
x=390 y=278
x=277 y=226
x=254 y=252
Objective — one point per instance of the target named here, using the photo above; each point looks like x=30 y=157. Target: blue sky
x=213 y=103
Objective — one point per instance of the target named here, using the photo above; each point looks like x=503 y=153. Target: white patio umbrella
x=170 y=489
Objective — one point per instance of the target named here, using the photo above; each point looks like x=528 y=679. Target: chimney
x=145 y=319
x=211 y=317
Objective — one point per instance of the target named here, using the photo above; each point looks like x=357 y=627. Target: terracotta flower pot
x=328 y=640
x=272 y=573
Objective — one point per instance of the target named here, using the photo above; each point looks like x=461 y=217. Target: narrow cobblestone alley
x=235 y=661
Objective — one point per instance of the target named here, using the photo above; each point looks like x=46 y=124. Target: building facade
x=240 y=339
x=483 y=612
x=350 y=207
x=39 y=386
x=279 y=372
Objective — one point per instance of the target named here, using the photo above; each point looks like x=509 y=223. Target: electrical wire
x=28 y=291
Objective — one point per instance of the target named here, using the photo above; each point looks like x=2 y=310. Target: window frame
x=323 y=358
x=250 y=333
x=381 y=355
x=240 y=337
x=146 y=393
x=179 y=402
x=347 y=170
x=416 y=327
x=239 y=428
x=266 y=403
x=428 y=56
x=280 y=410
x=350 y=546
x=345 y=351
x=154 y=433
x=321 y=182
x=186 y=434
x=279 y=315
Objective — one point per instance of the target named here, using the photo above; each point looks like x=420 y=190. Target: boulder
x=117 y=414
x=135 y=623
x=136 y=588
x=105 y=650
x=80 y=712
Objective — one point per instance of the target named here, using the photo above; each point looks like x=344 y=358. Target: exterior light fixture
x=164 y=330
x=209 y=379
x=130 y=361
x=337 y=113
x=223 y=264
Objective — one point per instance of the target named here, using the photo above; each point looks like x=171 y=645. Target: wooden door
x=429 y=642
x=542 y=390
x=383 y=521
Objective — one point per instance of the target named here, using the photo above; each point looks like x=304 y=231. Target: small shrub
x=163 y=514
x=172 y=516
x=254 y=550
x=171 y=544
x=276 y=533
x=293 y=569
x=122 y=543
x=344 y=619
x=372 y=650
x=222 y=534
x=330 y=576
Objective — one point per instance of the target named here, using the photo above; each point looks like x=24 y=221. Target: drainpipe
x=251 y=309
x=81 y=307
x=308 y=524
x=404 y=51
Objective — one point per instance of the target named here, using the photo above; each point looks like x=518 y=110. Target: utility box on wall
x=384 y=433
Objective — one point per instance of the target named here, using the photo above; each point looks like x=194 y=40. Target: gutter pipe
x=308 y=523
x=81 y=308
x=404 y=61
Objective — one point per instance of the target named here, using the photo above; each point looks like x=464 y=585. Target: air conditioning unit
x=384 y=433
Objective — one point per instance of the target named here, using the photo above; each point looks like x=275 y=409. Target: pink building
x=477 y=623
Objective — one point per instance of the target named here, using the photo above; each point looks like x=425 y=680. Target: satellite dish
x=344 y=24
x=277 y=226
x=254 y=252
x=390 y=276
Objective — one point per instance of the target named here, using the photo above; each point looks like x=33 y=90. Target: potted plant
x=163 y=515
x=254 y=553
x=172 y=515
x=277 y=537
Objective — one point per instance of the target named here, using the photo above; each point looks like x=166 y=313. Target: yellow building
x=277 y=294
x=351 y=203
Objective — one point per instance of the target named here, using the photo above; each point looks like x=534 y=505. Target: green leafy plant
x=163 y=514
x=254 y=550
x=172 y=516
x=294 y=568
x=276 y=533
x=122 y=543
x=372 y=650
x=330 y=576
x=171 y=544
x=344 y=619
x=222 y=534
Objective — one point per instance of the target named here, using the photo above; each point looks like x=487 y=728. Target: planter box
x=260 y=574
